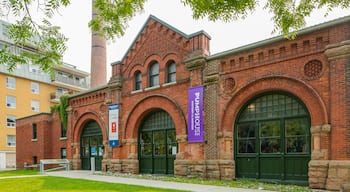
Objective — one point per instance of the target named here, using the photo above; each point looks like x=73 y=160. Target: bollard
x=92 y=165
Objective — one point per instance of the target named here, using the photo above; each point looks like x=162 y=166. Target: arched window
x=138 y=80
x=157 y=143
x=154 y=74
x=171 y=72
x=272 y=138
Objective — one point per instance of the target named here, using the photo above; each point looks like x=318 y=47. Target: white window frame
x=35 y=88
x=35 y=105
x=10 y=143
x=10 y=104
x=11 y=82
x=11 y=124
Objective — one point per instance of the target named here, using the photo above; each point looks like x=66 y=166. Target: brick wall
x=48 y=143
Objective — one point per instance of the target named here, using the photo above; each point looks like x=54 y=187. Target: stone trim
x=321 y=129
x=338 y=174
x=129 y=141
x=121 y=165
x=318 y=171
x=115 y=83
x=329 y=174
x=181 y=138
x=212 y=79
x=212 y=169
x=338 y=50
x=317 y=132
x=195 y=60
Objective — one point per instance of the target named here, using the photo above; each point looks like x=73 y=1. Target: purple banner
x=195 y=114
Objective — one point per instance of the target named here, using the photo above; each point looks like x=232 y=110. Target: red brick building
x=275 y=110
x=41 y=136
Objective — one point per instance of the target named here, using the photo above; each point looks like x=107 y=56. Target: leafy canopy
x=61 y=109
x=44 y=45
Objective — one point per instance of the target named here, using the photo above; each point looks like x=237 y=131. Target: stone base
x=338 y=174
x=75 y=164
x=329 y=174
x=121 y=166
x=345 y=188
x=318 y=171
x=210 y=169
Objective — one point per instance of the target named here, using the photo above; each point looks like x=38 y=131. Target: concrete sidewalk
x=146 y=182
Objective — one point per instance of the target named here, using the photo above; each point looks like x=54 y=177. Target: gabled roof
x=152 y=17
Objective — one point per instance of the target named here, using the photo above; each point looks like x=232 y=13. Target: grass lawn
x=238 y=183
x=18 y=172
x=55 y=184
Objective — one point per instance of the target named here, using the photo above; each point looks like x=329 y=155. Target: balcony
x=69 y=83
x=55 y=96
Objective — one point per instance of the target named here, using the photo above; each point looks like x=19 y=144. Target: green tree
x=114 y=15
x=61 y=109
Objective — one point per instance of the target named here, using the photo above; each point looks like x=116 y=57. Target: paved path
x=145 y=182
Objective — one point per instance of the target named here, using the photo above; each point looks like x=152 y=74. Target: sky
x=258 y=26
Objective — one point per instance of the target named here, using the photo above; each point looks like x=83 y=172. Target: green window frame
x=273 y=123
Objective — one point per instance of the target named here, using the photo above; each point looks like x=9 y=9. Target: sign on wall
x=113 y=125
x=195 y=114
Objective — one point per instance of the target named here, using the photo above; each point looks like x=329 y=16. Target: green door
x=273 y=139
x=157 y=144
x=91 y=146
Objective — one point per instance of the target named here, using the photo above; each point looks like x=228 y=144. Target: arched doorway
x=272 y=139
x=157 y=144
x=91 y=145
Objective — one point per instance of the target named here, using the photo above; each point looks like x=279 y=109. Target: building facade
x=275 y=110
x=27 y=91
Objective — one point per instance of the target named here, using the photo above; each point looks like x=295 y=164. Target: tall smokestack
x=98 y=57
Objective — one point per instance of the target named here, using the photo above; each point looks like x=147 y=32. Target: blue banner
x=113 y=125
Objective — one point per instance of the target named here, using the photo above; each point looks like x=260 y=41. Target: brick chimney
x=98 y=57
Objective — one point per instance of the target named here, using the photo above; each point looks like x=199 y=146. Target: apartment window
x=11 y=82
x=11 y=140
x=63 y=153
x=35 y=106
x=171 y=70
x=138 y=80
x=154 y=74
x=10 y=101
x=63 y=131
x=10 y=121
x=35 y=160
x=35 y=88
x=61 y=91
x=35 y=131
